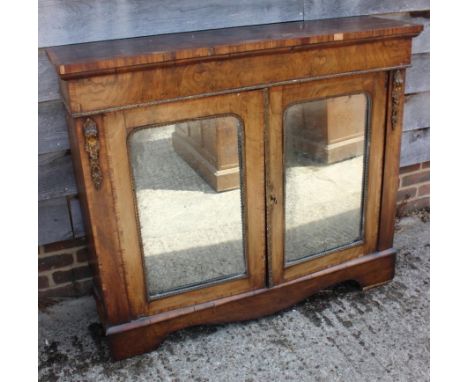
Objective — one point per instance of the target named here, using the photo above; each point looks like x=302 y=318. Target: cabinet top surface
x=114 y=55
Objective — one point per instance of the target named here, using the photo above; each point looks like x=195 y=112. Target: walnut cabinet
x=228 y=174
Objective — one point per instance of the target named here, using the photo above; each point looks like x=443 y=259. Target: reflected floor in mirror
x=323 y=205
x=324 y=172
x=191 y=234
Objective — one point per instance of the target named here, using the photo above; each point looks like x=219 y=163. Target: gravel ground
x=341 y=334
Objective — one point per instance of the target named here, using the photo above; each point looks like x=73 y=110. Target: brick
x=426 y=164
x=406 y=193
x=66 y=244
x=83 y=272
x=71 y=275
x=76 y=289
x=416 y=178
x=61 y=277
x=411 y=168
x=55 y=261
x=43 y=282
x=424 y=189
x=82 y=255
x=412 y=205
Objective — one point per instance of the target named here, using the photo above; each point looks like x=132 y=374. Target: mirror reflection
x=325 y=146
x=186 y=179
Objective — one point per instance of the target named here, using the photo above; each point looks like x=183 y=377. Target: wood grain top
x=119 y=55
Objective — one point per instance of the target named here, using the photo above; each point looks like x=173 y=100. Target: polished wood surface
x=108 y=56
x=252 y=73
x=108 y=92
x=391 y=163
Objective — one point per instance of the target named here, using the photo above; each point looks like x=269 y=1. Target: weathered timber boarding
x=418 y=74
x=48 y=86
x=56 y=175
x=421 y=43
x=62 y=23
x=325 y=9
x=416 y=114
x=53 y=134
x=71 y=22
x=54 y=221
x=415 y=147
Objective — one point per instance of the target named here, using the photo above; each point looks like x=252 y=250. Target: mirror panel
x=325 y=145
x=189 y=200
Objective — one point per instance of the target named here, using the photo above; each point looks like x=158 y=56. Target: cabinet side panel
x=98 y=210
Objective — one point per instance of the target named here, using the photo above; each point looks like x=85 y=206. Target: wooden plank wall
x=64 y=22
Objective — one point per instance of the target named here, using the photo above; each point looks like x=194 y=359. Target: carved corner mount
x=91 y=135
x=397 y=92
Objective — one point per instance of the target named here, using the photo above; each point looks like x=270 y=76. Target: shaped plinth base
x=147 y=333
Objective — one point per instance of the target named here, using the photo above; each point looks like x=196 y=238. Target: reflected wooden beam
x=210 y=147
x=330 y=130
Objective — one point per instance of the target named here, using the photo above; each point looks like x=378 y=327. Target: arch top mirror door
x=189 y=188
x=324 y=138
x=190 y=176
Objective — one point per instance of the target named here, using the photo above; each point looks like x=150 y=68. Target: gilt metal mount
x=91 y=135
x=397 y=90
